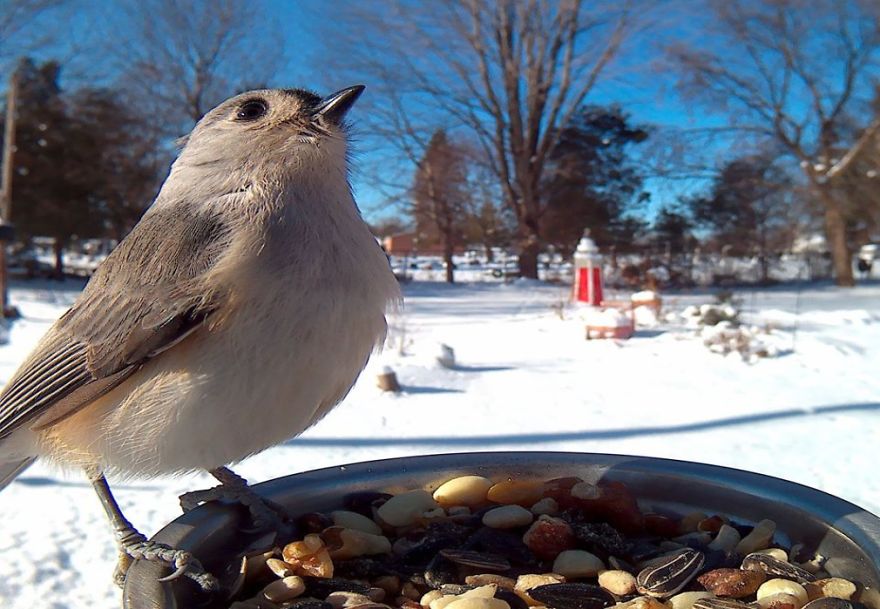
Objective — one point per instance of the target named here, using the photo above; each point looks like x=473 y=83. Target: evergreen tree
x=593 y=182
x=50 y=186
x=84 y=164
x=747 y=211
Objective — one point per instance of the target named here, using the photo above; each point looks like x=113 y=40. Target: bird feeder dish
x=847 y=535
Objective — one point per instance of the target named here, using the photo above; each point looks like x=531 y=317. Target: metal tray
x=847 y=534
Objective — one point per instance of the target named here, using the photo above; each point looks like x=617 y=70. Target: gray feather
x=9 y=471
x=122 y=318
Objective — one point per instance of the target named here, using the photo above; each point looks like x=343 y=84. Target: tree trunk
x=528 y=257
x=447 y=259
x=765 y=269
x=835 y=234
x=58 y=248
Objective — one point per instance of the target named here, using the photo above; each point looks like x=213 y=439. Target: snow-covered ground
x=526 y=379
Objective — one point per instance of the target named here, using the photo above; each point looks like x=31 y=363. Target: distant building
x=411 y=243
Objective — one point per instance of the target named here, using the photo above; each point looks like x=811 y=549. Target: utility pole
x=7 y=232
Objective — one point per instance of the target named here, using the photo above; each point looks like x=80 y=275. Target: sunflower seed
x=670 y=575
x=497 y=541
x=321 y=587
x=308 y=603
x=233 y=579
x=440 y=571
x=364 y=568
x=776 y=568
x=719 y=603
x=621 y=565
x=572 y=596
x=438 y=536
x=515 y=602
x=829 y=603
x=478 y=560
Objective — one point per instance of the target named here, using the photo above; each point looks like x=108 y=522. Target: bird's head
x=272 y=130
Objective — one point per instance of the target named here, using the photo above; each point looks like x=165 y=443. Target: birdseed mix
x=558 y=544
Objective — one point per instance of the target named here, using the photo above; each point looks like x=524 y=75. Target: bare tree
x=860 y=181
x=488 y=221
x=512 y=72
x=440 y=198
x=796 y=71
x=185 y=59
x=18 y=31
x=748 y=208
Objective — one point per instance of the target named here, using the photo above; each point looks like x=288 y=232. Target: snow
x=645 y=316
x=644 y=296
x=604 y=318
x=810 y=414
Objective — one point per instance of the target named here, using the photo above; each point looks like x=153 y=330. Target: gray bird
x=237 y=313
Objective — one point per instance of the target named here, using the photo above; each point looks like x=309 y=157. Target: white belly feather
x=243 y=393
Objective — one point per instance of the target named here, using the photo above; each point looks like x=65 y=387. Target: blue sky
x=638 y=80
x=634 y=83
x=649 y=97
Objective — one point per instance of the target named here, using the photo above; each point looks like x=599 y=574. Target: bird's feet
x=133 y=546
x=265 y=514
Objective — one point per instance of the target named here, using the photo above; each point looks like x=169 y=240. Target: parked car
x=867 y=255
x=24 y=262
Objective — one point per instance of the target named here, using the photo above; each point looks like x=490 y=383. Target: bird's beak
x=334 y=107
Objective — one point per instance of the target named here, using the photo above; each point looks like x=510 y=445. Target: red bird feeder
x=588 y=271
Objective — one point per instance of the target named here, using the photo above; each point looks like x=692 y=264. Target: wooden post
x=6 y=194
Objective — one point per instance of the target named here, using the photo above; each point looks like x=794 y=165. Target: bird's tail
x=9 y=470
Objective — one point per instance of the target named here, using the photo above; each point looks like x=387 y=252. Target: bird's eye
x=252 y=110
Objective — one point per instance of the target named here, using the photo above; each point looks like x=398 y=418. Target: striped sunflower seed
x=572 y=596
x=670 y=575
x=478 y=560
x=776 y=568
x=829 y=602
x=719 y=603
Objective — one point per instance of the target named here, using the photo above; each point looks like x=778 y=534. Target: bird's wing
x=143 y=299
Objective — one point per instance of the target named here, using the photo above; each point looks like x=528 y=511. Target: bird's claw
x=184 y=563
x=265 y=514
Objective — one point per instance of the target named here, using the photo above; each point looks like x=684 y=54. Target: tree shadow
x=414 y=390
x=646 y=333
x=39 y=481
x=597 y=434
x=458 y=368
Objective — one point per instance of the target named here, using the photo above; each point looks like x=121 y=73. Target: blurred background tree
x=52 y=175
x=796 y=72
x=511 y=73
x=440 y=197
x=126 y=158
x=746 y=211
x=85 y=166
x=593 y=182
x=181 y=61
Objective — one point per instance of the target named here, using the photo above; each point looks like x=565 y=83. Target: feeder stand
x=588 y=283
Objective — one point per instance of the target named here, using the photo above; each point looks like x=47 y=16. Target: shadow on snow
x=598 y=434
